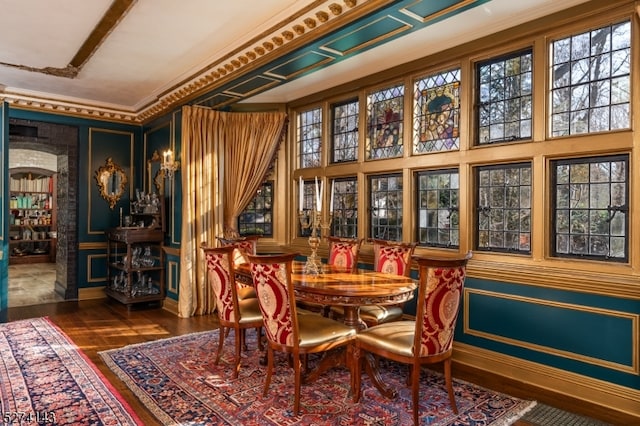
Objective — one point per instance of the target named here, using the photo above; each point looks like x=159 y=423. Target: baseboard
x=91 y=293
x=170 y=305
x=590 y=390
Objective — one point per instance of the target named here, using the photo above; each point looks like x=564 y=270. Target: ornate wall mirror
x=112 y=181
x=155 y=174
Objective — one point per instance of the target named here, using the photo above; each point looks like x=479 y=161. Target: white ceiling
x=160 y=47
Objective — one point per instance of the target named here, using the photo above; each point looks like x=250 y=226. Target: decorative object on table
x=48 y=380
x=112 y=181
x=196 y=391
x=312 y=220
x=429 y=338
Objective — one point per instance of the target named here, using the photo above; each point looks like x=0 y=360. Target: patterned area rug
x=46 y=379
x=177 y=380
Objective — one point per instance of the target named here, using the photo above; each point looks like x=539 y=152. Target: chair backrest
x=392 y=257
x=343 y=252
x=439 y=296
x=243 y=247
x=272 y=280
x=221 y=277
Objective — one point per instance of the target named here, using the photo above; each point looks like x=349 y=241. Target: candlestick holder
x=312 y=219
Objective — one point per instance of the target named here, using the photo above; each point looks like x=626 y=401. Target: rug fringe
x=510 y=419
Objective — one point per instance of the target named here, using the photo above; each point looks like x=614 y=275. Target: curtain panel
x=225 y=158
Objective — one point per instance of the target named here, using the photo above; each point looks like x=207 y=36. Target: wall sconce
x=169 y=165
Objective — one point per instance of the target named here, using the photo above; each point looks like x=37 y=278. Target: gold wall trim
x=173 y=251
x=172 y=277
x=92 y=246
x=91 y=170
x=90 y=278
x=589 y=390
x=604 y=282
x=634 y=318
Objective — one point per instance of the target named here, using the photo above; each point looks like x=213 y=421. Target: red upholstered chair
x=390 y=257
x=428 y=339
x=243 y=246
x=232 y=313
x=344 y=252
x=286 y=331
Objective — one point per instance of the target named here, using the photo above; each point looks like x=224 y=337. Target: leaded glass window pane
x=591 y=208
x=345 y=208
x=436 y=113
x=504 y=98
x=386 y=207
x=590 y=81
x=385 y=112
x=345 y=132
x=438 y=217
x=257 y=217
x=503 y=204
x=310 y=138
x=308 y=205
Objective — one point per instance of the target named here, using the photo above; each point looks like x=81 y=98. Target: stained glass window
x=591 y=207
x=590 y=81
x=386 y=207
x=345 y=131
x=310 y=137
x=438 y=218
x=345 y=207
x=503 y=208
x=504 y=98
x=436 y=113
x=385 y=113
x=257 y=218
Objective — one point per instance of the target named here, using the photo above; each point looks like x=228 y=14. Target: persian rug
x=46 y=379
x=176 y=379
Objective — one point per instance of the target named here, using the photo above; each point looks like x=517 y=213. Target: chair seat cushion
x=395 y=337
x=246 y=292
x=377 y=314
x=316 y=329
x=249 y=311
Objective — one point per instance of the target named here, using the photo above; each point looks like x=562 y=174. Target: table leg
x=371 y=368
x=352 y=318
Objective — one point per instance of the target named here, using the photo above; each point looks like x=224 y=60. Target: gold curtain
x=251 y=144
x=200 y=144
x=238 y=148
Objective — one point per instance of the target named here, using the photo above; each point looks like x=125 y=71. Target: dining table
x=335 y=286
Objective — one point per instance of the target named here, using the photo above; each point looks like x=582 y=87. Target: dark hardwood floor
x=98 y=325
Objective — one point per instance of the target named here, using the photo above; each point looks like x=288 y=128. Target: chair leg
x=449 y=384
x=259 y=334
x=267 y=380
x=223 y=332
x=239 y=342
x=415 y=392
x=296 y=371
